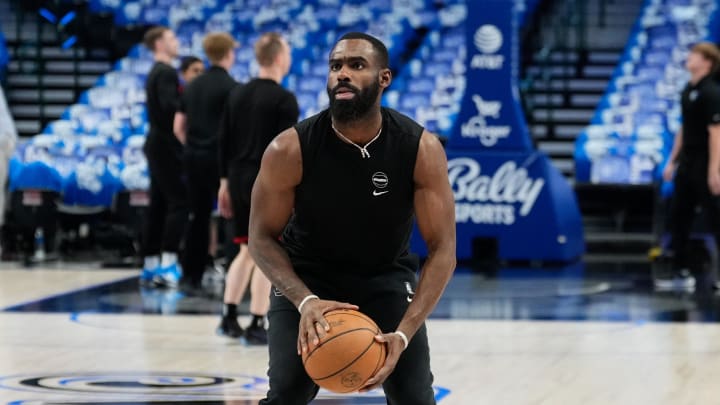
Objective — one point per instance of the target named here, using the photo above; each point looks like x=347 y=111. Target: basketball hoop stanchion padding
x=504 y=189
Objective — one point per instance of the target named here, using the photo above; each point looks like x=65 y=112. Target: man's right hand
x=313 y=326
x=224 y=204
x=669 y=171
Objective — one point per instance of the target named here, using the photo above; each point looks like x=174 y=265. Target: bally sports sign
x=498 y=198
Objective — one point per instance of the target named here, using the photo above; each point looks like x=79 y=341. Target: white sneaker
x=147 y=276
x=169 y=276
x=679 y=280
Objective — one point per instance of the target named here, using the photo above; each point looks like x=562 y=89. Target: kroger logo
x=488 y=38
x=477 y=126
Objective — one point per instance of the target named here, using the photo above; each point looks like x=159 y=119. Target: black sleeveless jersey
x=354 y=213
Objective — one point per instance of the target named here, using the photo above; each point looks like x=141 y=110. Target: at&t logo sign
x=488 y=39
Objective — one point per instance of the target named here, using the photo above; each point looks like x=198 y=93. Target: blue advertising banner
x=503 y=188
x=491 y=116
x=517 y=198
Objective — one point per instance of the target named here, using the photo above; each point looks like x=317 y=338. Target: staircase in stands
x=569 y=81
x=43 y=77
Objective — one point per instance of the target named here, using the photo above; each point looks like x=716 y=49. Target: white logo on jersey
x=411 y=293
x=380 y=180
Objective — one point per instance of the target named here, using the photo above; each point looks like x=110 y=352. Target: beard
x=355 y=108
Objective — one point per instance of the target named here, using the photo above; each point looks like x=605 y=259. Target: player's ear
x=385 y=78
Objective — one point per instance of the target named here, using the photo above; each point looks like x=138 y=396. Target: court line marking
x=17 y=307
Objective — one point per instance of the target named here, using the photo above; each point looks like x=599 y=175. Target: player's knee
x=291 y=390
x=405 y=388
x=407 y=392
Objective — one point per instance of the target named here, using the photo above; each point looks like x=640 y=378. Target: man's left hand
x=395 y=346
x=714 y=182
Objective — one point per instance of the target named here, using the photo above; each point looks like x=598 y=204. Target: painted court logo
x=166 y=387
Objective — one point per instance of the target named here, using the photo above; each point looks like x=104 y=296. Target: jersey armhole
x=303 y=157
x=414 y=156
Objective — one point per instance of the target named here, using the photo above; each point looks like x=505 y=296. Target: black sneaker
x=230 y=327
x=678 y=280
x=191 y=289
x=256 y=336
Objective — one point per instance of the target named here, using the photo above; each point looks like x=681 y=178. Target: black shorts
x=240 y=185
x=384 y=298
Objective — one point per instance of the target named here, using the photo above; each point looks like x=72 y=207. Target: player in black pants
x=255 y=113
x=196 y=126
x=343 y=188
x=695 y=161
x=167 y=215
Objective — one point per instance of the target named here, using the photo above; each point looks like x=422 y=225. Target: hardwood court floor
x=523 y=337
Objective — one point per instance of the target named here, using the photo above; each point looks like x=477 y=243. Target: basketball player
x=254 y=115
x=342 y=187
x=196 y=126
x=167 y=214
x=695 y=161
x=190 y=68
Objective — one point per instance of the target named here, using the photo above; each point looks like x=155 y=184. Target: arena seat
x=639 y=114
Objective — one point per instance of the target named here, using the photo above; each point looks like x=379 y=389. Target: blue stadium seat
x=155 y=16
x=91 y=185
x=4 y=54
x=640 y=110
x=64 y=127
x=36 y=175
x=312 y=83
x=138 y=66
x=421 y=85
x=112 y=117
x=106 y=97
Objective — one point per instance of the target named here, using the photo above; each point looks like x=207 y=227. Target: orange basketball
x=348 y=355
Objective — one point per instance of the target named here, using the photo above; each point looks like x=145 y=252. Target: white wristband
x=403 y=337
x=306 y=299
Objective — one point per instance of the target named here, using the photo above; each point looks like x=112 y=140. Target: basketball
x=348 y=355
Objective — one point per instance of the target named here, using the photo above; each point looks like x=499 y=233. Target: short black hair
x=380 y=50
x=187 y=61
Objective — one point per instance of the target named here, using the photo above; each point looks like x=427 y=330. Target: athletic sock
x=258 y=321
x=151 y=262
x=168 y=259
x=230 y=311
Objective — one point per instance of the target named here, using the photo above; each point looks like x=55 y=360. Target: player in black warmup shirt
x=196 y=126
x=254 y=115
x=342 y=189
x=696 y=156
x=167 y=215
